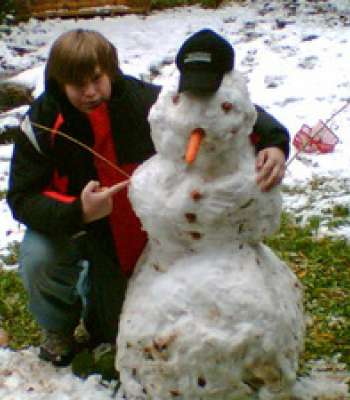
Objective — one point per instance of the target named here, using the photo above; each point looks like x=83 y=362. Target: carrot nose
x=193 y=145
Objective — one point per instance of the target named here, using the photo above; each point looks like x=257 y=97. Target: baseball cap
x=202 y=60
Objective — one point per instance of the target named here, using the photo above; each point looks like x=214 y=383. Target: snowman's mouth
x=193 y=145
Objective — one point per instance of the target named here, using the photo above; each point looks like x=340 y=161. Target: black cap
x=202 y=60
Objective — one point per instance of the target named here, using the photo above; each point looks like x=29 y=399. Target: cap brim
x=199 y=81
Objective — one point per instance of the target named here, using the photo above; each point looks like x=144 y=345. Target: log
x=13 y=95
x=83 y=8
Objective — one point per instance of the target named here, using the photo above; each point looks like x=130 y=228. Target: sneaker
x=57 y=348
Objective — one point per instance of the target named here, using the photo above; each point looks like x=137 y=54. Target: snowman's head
x=221 y=122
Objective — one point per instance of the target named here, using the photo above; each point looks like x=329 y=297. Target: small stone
x=308 y=38
x=280 y=24
x=196 y=235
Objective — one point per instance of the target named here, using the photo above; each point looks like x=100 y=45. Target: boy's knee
x=36 y=256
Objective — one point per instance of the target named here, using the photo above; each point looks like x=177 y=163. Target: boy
x=74 y=205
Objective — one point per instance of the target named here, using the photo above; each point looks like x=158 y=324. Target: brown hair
x=75 y=54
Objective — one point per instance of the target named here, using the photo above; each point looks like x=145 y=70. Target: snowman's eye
x=176 y=98
x=226 y=106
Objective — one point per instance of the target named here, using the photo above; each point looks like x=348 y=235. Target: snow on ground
x=296 y=61
x=22 y=376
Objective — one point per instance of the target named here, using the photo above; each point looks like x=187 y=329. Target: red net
x=319 y=139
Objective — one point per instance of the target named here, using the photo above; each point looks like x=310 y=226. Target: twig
x=84 y=146
x=341 y=109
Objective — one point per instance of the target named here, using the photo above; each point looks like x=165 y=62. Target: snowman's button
x=227 y=106
x=195 y=235
x=196 y=195
x=191 y=217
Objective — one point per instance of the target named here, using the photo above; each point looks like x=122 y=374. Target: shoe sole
x=57 y=360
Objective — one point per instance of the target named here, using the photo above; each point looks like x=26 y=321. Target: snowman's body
x=210 y=313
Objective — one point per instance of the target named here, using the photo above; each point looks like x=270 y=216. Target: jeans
x=69 y=279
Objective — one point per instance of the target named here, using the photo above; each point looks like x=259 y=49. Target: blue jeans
x=69 y=279
x=55 y=277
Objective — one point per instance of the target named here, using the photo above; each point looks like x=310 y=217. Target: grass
x=15 y=318
x=14 y=315
x=322 y=264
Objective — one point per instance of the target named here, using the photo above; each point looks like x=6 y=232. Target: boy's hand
x=97 y=201
x=270 y=166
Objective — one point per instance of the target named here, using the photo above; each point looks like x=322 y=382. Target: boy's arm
x=272 y=145
x=30 y=176
x=270 y=132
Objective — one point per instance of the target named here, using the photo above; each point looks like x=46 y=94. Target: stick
x=84 y=146
x=341 y=109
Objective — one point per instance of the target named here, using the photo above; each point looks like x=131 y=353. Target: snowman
x=210 y=312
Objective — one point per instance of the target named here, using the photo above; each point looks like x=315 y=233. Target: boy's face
x=91 y=93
